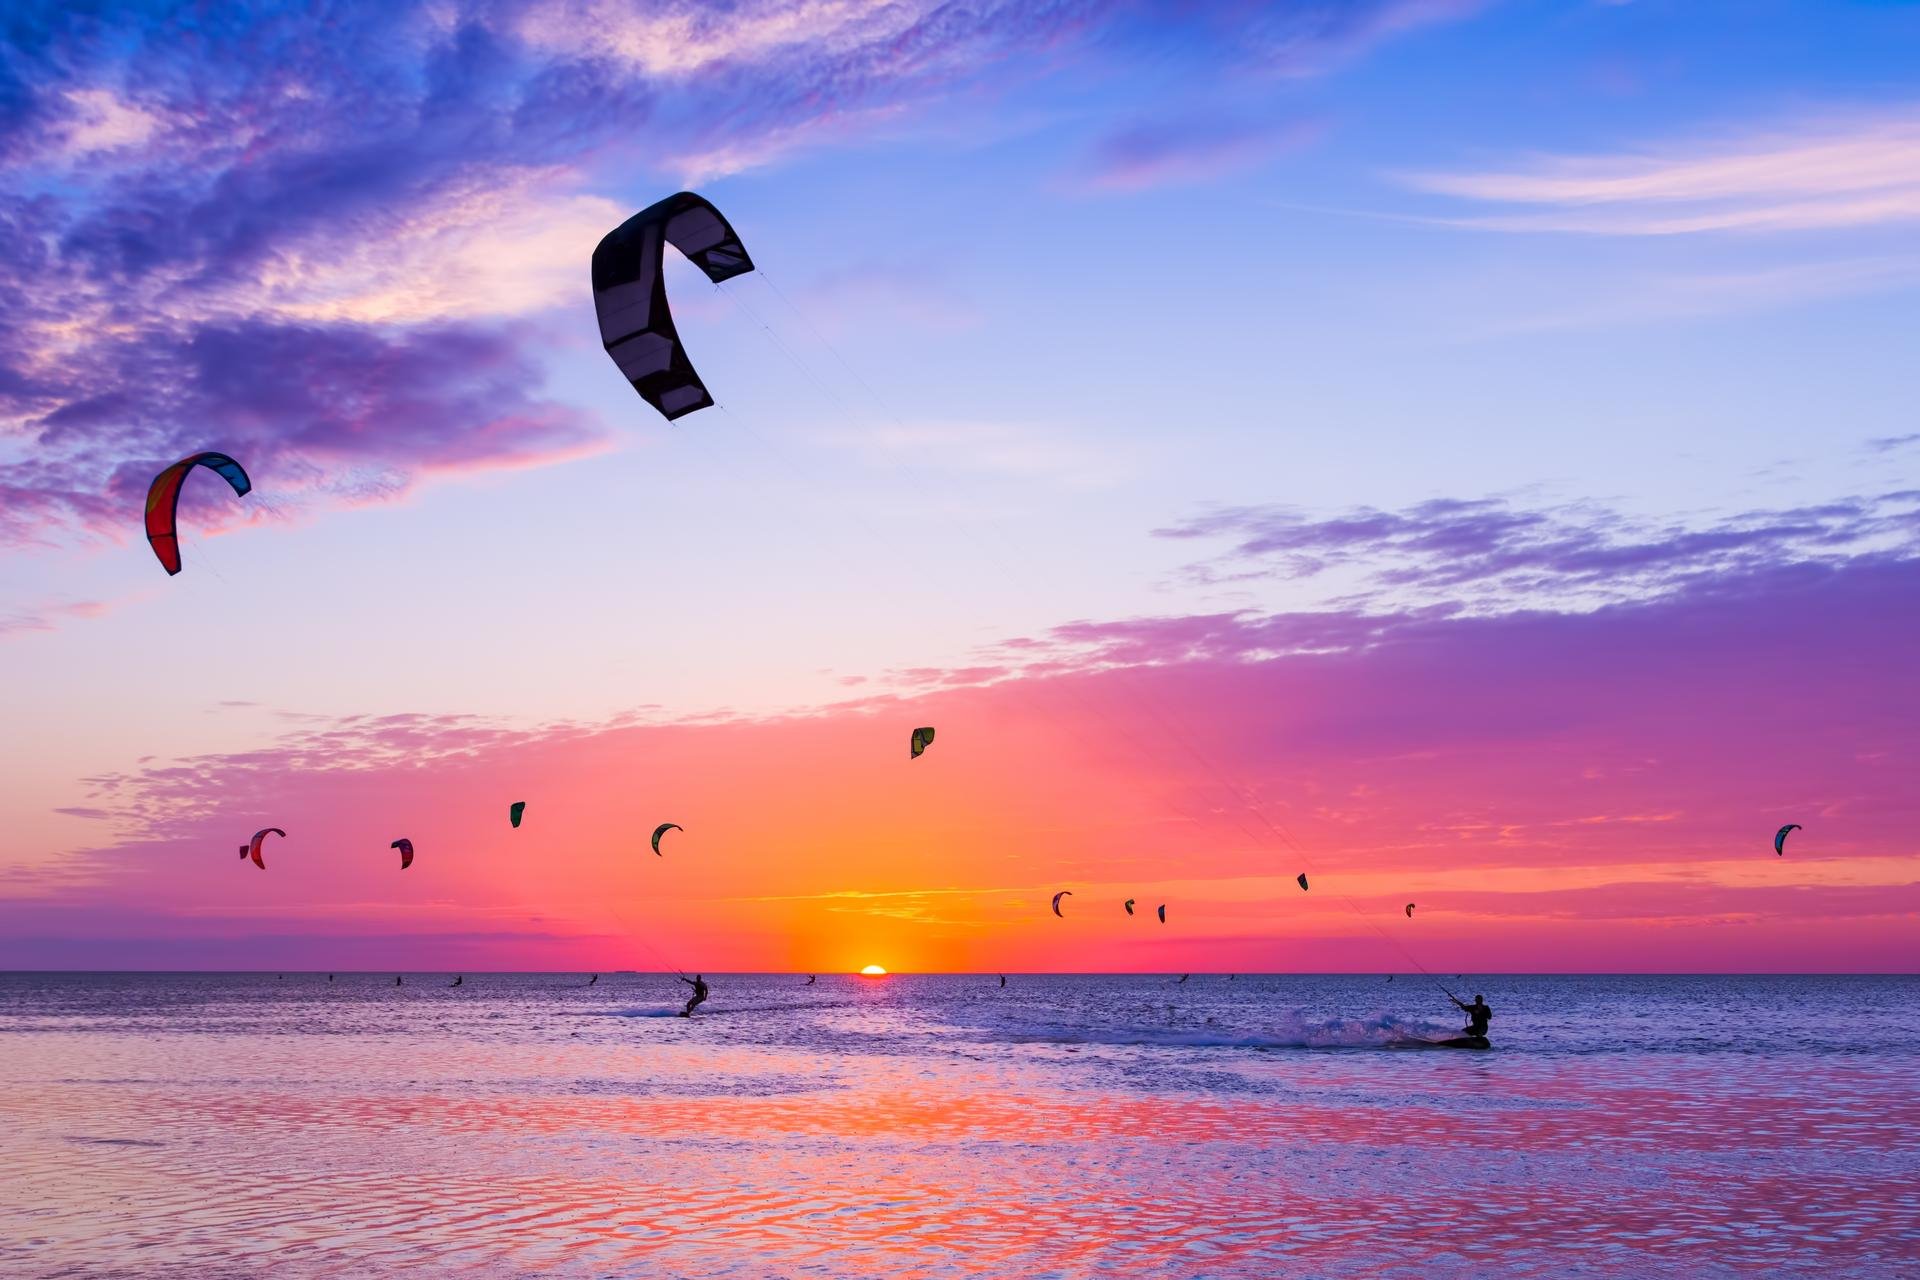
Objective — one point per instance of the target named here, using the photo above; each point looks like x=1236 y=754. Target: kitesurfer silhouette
x=1478 y=1015
x=699 y=985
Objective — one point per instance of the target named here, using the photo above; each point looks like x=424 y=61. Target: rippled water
x=216 y=1125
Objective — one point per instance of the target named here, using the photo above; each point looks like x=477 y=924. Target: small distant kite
x=163 y=501
x=1163 y=913
x=1064 y=893
x=514 y=811
x=251 y=849
x=922 y=739
x=1409 y=911
x=405 y=846
x=661 y=830
x=1128 y=904
x=1780 y=837
x=1302 y=878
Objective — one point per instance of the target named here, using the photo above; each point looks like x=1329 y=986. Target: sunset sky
x=1466 y=452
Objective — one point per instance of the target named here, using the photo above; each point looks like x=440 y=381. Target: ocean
x=228 y=1125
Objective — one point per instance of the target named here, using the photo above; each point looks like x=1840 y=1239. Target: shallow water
x=163 y=1125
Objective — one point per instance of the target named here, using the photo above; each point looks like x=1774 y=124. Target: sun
x=873 y=971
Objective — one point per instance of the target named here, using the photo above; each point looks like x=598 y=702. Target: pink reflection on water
x=750 y=1162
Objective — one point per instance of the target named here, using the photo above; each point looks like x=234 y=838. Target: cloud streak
x=1823 y=176
x=1486 y=555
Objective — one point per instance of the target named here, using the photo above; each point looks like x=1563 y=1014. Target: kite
x=514 y=811
x=1780 y=837
x=922 y=739
x=252 y=847
x=661 y=830
x=1302 y=878
x=630 y=295
x=1064 y=893
x=1163 y=913
x=163 y=501
x=405 y=846
x=1409 y=911
x=1128 y=904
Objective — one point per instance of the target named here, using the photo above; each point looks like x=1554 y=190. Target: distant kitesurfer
x=595 y=978
x=812 y=978
x=329 y=977
x=457 y=980
x=1478 y=1015
x=396 y=980
x=699 y=985
x=1184 y=977
x=1003 y=979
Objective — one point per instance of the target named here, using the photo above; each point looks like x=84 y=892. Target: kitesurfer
x=1478 y=1015
x=595 y=978
x=1003 y=979
x=812 y=978
x=699 y=985
x=457 y=980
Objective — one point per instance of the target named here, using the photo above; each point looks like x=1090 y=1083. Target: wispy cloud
x=1163 y=153
x=1833 y=174
x=1491 y=555
x=47 y=616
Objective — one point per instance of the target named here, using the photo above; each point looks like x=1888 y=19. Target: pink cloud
x=1459 y=761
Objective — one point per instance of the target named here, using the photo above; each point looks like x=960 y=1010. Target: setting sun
x=873 y=971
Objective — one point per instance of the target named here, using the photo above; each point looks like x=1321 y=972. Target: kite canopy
x=1064 y=893
x=253 y=845
x=1163 y=913
x=1409 y=911
x=163 y=501
x=1302 y=878
x=1780 y=837
x=514 y=811
x=1128 y=904
x=405 y=846
x=630 y=295
x=922 y=739
x=661 y=830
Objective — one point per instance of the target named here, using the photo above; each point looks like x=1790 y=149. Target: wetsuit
x=1478 y=1015
x=699 y=995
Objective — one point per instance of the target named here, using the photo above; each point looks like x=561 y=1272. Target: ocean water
x=215 y=1125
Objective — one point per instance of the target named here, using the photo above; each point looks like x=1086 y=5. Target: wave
x=1386 y=1032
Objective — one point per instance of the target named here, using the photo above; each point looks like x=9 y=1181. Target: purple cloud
x=1183 y=152
x=305 y=240
x=1488 y=554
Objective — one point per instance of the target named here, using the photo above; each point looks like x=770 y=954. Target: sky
x=1464 y=452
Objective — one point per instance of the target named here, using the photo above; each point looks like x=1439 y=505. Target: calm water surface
x=215 y=1125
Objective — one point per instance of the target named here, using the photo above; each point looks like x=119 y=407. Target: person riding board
x=1478 y=1015
x=699 y=985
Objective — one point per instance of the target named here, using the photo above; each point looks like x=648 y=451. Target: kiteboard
x=1462 y=1042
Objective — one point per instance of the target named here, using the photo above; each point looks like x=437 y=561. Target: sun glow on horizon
x=873 y=971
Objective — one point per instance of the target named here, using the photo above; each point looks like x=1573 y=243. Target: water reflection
x=209 y=1126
